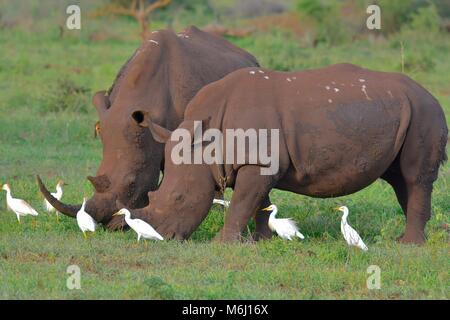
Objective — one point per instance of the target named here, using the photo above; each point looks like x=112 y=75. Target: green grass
x=34 y=255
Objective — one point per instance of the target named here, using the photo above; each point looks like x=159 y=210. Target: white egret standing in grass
x=57 y=195
x=18 y=206
x=285 y=228
x=142 y=228
x=350 y=235
x=85 y=221
x=224 y=203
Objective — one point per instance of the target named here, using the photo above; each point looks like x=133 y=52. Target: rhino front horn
x=101 y=183
x=67 y=209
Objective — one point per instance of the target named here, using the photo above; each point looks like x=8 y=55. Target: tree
x=139 y=10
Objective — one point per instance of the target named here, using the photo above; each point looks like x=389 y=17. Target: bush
x=330 y=28
x=247 y=8
x=397 y=14
x=426 y=19
x=423 y=26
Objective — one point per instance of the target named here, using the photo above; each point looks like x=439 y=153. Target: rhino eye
x=138 y=116
x=141 y=118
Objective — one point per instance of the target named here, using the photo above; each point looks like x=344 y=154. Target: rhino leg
x=262 y=221
x=419 y=212
x=394 y=177
x=420 y=158
x=250 y=190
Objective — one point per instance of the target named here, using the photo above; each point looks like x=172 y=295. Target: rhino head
x=185 y=194
x=130 y=166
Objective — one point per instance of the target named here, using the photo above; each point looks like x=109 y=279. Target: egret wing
x=57 y=195
x=88 y=222
x=145 y=229
x=353 y=236
x=22 y=207
x=286 y=228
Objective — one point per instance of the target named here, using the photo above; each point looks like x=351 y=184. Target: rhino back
x=341 y=125
x=168 y=69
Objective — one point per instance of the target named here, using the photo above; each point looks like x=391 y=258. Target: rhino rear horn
x=101 y=102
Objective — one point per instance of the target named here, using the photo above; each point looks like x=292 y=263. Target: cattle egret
x=350 y=235
x=224 y=203
x=85 y=221
x=18 y=206
x=142 y=228
x=57 y=195
x=285 y=228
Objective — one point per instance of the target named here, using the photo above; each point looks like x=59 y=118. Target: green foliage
x=419 y=62
x=318 y=10
x=330 y=28
x=68 y=96
x=426 y=19
x=159 y=289
x=395 y=14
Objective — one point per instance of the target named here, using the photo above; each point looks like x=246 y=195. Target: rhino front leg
x=250 y=189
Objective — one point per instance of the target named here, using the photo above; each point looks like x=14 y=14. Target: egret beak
x=266 y=209
x=337 y=209
x=117 y=214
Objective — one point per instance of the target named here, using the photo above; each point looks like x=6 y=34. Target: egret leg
x=347 y=259
x=84 y=235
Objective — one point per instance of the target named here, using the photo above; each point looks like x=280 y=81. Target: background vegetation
x=47 y=77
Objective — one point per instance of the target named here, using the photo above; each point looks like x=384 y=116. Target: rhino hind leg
x=394 y=177
x=420 y=159
x=418 y=214
x=250 y=190
x=415 y=200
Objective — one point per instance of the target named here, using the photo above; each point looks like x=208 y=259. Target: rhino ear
x=101 y=102
x=160 y=134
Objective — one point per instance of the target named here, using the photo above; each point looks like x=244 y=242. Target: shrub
x=426 y=19
x=330 y=28
x=397 y=14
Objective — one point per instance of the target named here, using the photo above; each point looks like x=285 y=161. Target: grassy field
x=37 y=67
